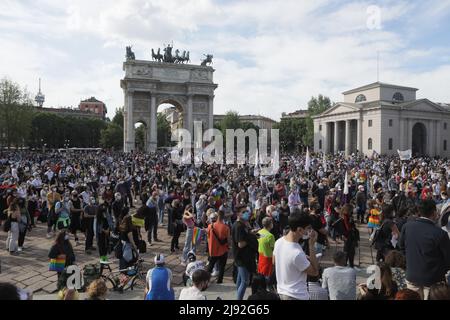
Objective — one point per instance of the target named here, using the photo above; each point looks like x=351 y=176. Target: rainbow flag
x=197 y=235
x=57 y=264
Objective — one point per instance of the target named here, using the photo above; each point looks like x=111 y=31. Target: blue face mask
x=246 y=216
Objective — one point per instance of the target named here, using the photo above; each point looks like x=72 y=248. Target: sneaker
x=183 y=263
x=20 y=249
x=49 y=235
x=214 y=273
x=14 y=253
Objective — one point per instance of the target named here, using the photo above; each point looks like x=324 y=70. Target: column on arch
x=187 y=117
x=210 y=112
x=360 y=133
x=153 y=143
x=129 y=137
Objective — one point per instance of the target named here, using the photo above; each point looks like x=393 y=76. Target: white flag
x=308 y=161
x=405 y=155
x=403 y=172
x=346 y=183
x=256 y=169
x=324 y=163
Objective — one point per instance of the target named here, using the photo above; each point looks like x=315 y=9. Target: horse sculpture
x=158 y=56
x=207 y=60
x=130 y=53
x=168 y=54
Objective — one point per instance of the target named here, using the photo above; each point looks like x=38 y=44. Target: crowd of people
x=275 y=229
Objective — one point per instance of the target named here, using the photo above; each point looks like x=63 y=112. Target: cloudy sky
x=270 y=56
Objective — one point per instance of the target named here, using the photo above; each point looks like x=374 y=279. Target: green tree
x=16 y=113
x=316 y=106
x=230 y=121
x=139 y=134
x=118 y=117
x=112 y=137
x=163 y=131
x=292 y=134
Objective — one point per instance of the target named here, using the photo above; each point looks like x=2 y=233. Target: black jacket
x=427 y=250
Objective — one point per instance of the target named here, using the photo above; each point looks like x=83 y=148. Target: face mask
x=307 y=235
x=54 y=189
x=246 y=216
x=66 y=237
x=275 y=215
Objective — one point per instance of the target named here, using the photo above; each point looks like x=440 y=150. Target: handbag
x=7 y=225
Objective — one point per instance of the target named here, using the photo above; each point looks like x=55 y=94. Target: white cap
x=159 y=259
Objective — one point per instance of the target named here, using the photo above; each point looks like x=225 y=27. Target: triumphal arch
x=168 y=78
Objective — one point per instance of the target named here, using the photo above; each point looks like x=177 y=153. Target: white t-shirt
x=290 y=265
x=191 y=293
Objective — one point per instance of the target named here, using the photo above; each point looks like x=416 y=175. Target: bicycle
x=132 y=277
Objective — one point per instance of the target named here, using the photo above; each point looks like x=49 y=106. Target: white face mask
x=307 y=235
x=66 y=237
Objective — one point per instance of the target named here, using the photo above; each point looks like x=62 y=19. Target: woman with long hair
x=62 y=249
x=387 y=290
x=14 y=215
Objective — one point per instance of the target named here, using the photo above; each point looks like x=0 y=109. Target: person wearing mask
x=151 y=221
x=159 y=280
x=52 y=198
x=340 y=281
x=294 y=200
x=245 y=249
x=427 y=249
x=129 y=237
x=103 y=232
x=266 y=243
x=177 y=220
x=284 y=212
x=15 y=217
x=75 y=215
x=24 y=223
x=62 y=249
x=89 y=213
x=117 y=210
x=291 y=264
x=259 y=289
x=189 y=222
x=219 y=236
x=200 y=207
x=319 y=225
x=200 y=282
x=193 y=265
x=62 y=211
x=361 y=201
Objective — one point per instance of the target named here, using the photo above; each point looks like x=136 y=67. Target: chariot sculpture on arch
x=169 y=57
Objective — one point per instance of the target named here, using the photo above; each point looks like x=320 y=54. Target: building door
x=419 y=139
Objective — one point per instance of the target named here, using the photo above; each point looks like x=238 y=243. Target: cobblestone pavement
x=29 y=270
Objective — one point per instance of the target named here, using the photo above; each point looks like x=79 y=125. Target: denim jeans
x=188 y=244
x=243 y=278
x=161 y=216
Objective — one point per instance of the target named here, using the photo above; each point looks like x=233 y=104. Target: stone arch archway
x=147 y=85
x=419 y=139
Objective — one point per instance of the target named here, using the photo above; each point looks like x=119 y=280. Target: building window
x=398 y=97
x=320 y=128
x=360 y=98
x=445 y=125
x=391 y=122
x=370 y=123
x=445 y=145
x=369 y=144
x=320 y=144
x=390 y=143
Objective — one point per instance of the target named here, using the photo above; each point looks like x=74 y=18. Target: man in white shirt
x=292 y=266
x=200 y=281
x=340 y=280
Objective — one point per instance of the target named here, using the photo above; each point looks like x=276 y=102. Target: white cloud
x=270 y=56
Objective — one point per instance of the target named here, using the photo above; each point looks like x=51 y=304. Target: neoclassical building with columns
x=384 y=118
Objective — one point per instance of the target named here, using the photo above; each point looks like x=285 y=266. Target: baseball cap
x=159 y=259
